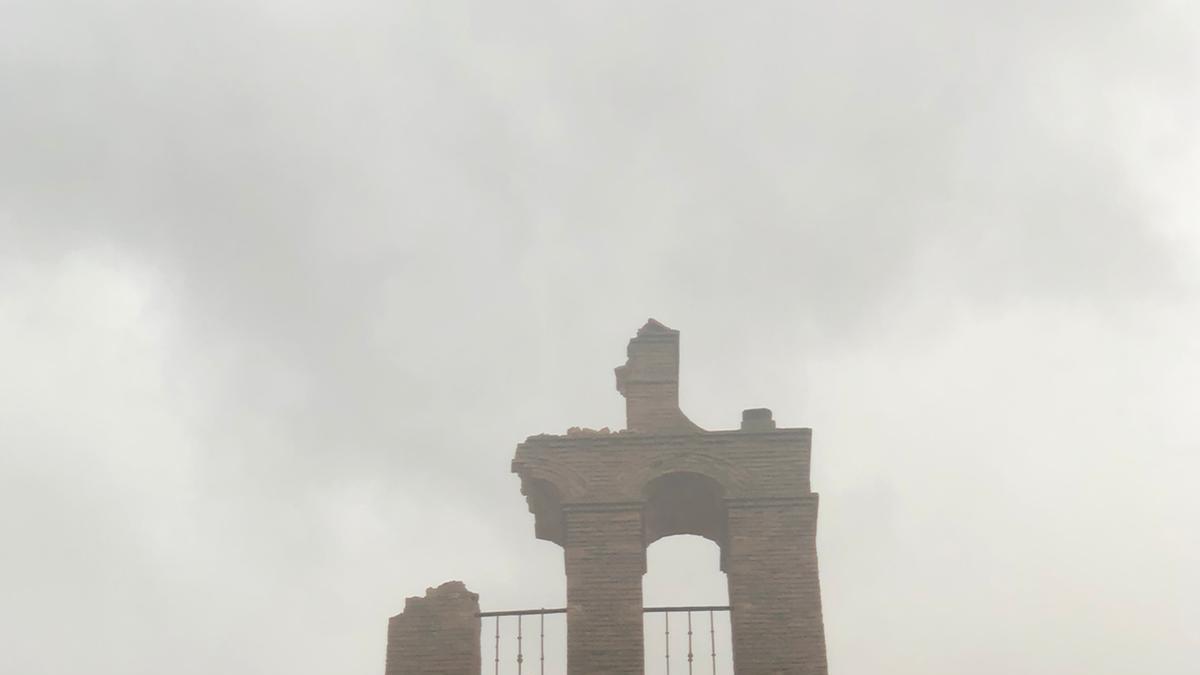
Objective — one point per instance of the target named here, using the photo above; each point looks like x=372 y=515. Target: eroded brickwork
x=649 y=381
x=605 y=496
x=437 y=634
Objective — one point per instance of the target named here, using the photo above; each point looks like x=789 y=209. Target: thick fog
x=283 y=283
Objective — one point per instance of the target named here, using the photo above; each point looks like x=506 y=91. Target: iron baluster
x=520 y=653
x=497 y=645
x=667 y=638
x=689 y=615
x=712 y=641
x=542 y=642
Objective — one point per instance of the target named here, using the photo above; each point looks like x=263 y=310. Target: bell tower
x=605 y=496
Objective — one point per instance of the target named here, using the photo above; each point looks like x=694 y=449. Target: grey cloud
x=386 y=241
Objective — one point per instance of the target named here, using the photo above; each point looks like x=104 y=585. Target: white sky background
x=282 y=284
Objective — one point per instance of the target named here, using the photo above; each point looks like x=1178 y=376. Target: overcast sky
x=283 y=283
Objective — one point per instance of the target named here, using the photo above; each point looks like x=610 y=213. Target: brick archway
x=684 y=502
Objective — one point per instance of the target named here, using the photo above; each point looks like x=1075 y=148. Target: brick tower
x=605 y=496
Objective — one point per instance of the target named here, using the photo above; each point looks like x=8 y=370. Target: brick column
x=774 y=591
x=437 y=634
x=605 y=560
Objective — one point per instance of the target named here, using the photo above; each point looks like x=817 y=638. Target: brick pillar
x=649 y=381
x=605 y=560
x=774 y=591
x=437 y=634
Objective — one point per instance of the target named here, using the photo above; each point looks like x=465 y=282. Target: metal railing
x=520 y=615
x=693 y=623
x=689 y=611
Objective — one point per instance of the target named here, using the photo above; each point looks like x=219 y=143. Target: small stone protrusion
x=757 y=419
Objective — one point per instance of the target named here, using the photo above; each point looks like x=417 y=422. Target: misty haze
x=308 y=308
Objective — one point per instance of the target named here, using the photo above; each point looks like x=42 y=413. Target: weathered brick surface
x=605 y=560
x=774 y=591
x=437 y=634
x=606 y=496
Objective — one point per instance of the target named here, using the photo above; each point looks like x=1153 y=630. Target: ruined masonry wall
x=437 y=634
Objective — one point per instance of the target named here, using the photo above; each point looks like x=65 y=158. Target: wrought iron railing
x=520 y=615
x=698 y=620
x=710 y=610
